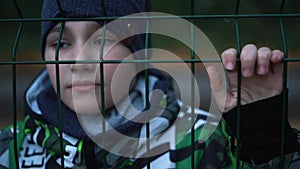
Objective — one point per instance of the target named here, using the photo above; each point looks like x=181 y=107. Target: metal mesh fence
x=194 y=13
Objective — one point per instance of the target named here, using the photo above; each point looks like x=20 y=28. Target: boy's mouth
x=84 y=86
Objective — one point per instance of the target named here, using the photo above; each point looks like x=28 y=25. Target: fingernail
x=229 y=66
x=247 y=73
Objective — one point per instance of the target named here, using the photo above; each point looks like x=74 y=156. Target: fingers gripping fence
x=193 y=17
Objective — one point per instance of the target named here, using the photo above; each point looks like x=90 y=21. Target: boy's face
x=80 y=84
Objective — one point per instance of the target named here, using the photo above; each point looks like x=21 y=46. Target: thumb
x=218 y=87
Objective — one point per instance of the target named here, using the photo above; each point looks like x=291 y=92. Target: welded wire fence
x=16 y=62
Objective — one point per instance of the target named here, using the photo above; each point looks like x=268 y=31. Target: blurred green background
x=262 y=31
x=221 y=31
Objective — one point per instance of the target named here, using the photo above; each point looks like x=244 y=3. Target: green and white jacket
x=40 y=145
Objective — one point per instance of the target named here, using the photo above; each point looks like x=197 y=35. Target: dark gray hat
x=90 y=9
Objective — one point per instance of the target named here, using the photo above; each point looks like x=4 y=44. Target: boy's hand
x=261 y=76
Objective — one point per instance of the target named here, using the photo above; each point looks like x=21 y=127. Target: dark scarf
x=47 y=101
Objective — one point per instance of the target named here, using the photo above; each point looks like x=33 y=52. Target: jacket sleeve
x=264 y=133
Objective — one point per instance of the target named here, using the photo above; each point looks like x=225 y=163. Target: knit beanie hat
x=89 y=9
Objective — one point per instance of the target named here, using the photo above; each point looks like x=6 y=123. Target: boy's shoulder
x=6 y=142
x=6 y=136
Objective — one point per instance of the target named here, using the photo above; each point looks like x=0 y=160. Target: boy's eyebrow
x=57 y=29
x=98 y=30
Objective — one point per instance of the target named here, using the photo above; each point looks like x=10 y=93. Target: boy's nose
x=85 y=60
x=82 y=67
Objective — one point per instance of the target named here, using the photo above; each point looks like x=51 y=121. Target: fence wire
x=193 y=17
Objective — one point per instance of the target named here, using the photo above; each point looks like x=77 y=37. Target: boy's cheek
x=51 y=73
x=49 y=53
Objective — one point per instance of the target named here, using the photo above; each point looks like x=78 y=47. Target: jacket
x=181 y=141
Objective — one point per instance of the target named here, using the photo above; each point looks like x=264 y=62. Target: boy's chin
x=87 y=103
x=88 y=110
x=86 y=107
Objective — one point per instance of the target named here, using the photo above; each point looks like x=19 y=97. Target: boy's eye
x=62 y=45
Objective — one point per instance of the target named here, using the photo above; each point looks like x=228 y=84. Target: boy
x=80 y=83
